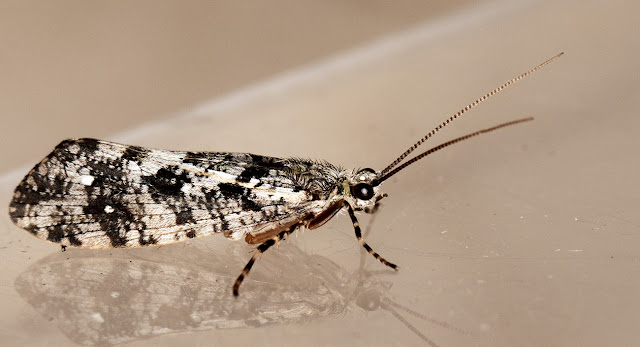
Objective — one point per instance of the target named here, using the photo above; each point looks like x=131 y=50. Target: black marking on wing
x=134 y=154
x=260 y=167
x=168 y=181
x=195 y=158
x=231 y=191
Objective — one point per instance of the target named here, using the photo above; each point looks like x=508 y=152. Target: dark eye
x=370 y=170
x=362 y=191
x=369 y=300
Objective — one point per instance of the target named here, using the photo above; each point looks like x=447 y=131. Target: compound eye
x=369 y=170
x=362 y=191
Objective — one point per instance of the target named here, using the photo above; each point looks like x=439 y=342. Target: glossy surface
x=526 y=236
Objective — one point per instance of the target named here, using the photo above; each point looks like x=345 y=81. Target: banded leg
x=376 y=206
x=356 y=227
x=372 y=210
x=261 y=249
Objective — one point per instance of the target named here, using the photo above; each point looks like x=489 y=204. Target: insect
x=98 y=194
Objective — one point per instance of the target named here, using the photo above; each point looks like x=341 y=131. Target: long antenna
x=384 y=172
x=448 y=143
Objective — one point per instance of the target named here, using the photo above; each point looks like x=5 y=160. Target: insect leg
x=356 y=226
x=375 y=207
x=261 y=249
x=372 y=210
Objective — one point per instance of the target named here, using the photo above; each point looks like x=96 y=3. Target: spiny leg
x=261 y=249
x=356 y=227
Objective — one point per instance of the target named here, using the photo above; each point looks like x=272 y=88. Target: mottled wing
x=97 y=194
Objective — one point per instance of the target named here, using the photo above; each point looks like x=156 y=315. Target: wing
x=98 y=194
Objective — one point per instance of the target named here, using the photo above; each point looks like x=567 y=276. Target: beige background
x=528 y=236
x=78 y=69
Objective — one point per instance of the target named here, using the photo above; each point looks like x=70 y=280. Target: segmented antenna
x=384 y=172
x=448 y=143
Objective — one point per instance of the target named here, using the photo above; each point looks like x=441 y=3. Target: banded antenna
x=386 y=173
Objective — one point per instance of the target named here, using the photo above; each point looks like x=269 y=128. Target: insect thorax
x=333 y=184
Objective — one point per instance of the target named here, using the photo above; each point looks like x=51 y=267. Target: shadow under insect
x=110 y=297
